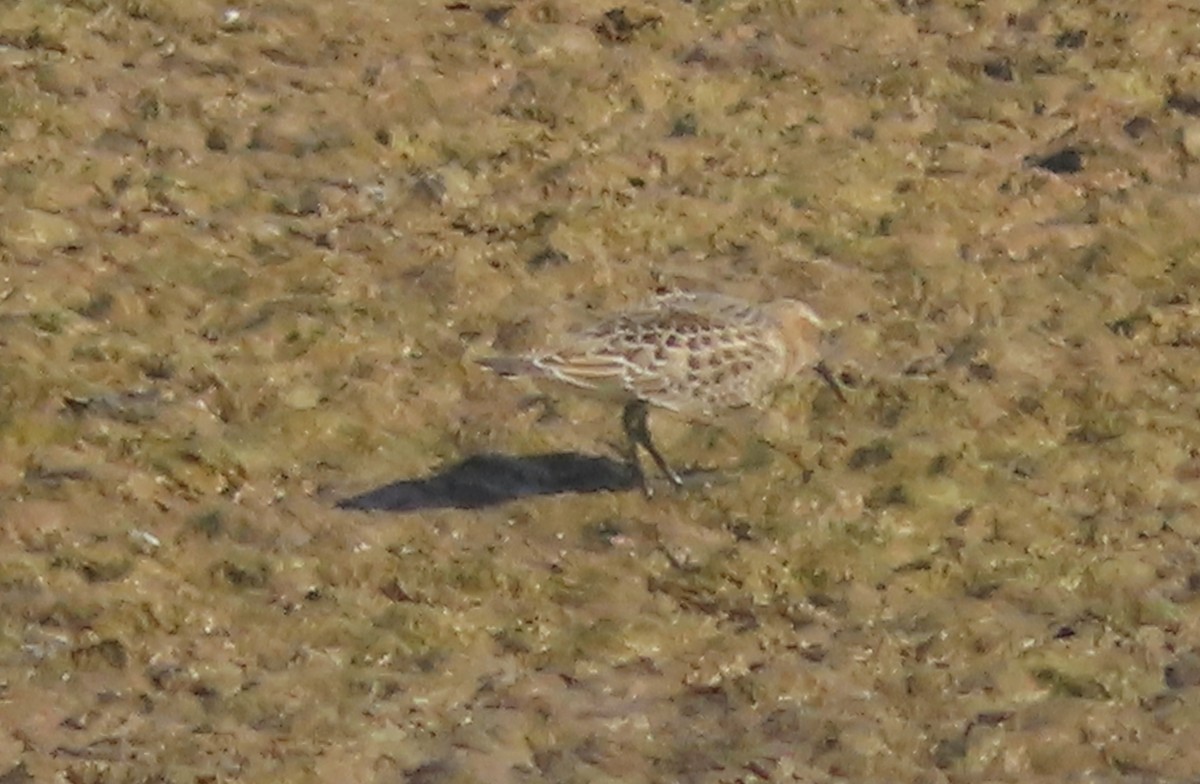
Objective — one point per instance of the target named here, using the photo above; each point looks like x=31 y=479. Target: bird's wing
x=584 y=369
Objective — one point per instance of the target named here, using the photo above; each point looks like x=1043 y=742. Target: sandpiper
x=692 y=353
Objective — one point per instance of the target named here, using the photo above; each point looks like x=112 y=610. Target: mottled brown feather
x=688 y=352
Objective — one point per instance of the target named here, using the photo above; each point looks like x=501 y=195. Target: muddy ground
x=249 y=254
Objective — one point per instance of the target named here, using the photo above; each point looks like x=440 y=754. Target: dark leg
x=631 y=455
x=633 y=418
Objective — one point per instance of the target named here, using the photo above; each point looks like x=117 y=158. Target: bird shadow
x=490 y=479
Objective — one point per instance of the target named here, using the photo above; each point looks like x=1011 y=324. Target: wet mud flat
x=249 y=256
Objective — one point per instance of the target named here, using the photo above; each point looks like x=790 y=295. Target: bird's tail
x=511 y=366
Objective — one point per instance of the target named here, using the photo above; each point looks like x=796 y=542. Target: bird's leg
x=633 y=418
x=631 y=457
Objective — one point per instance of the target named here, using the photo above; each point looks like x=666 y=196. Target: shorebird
x=692 y=353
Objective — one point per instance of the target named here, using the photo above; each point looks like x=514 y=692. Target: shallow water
x=249 y=256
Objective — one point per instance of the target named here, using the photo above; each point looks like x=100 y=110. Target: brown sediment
x=246 y=249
